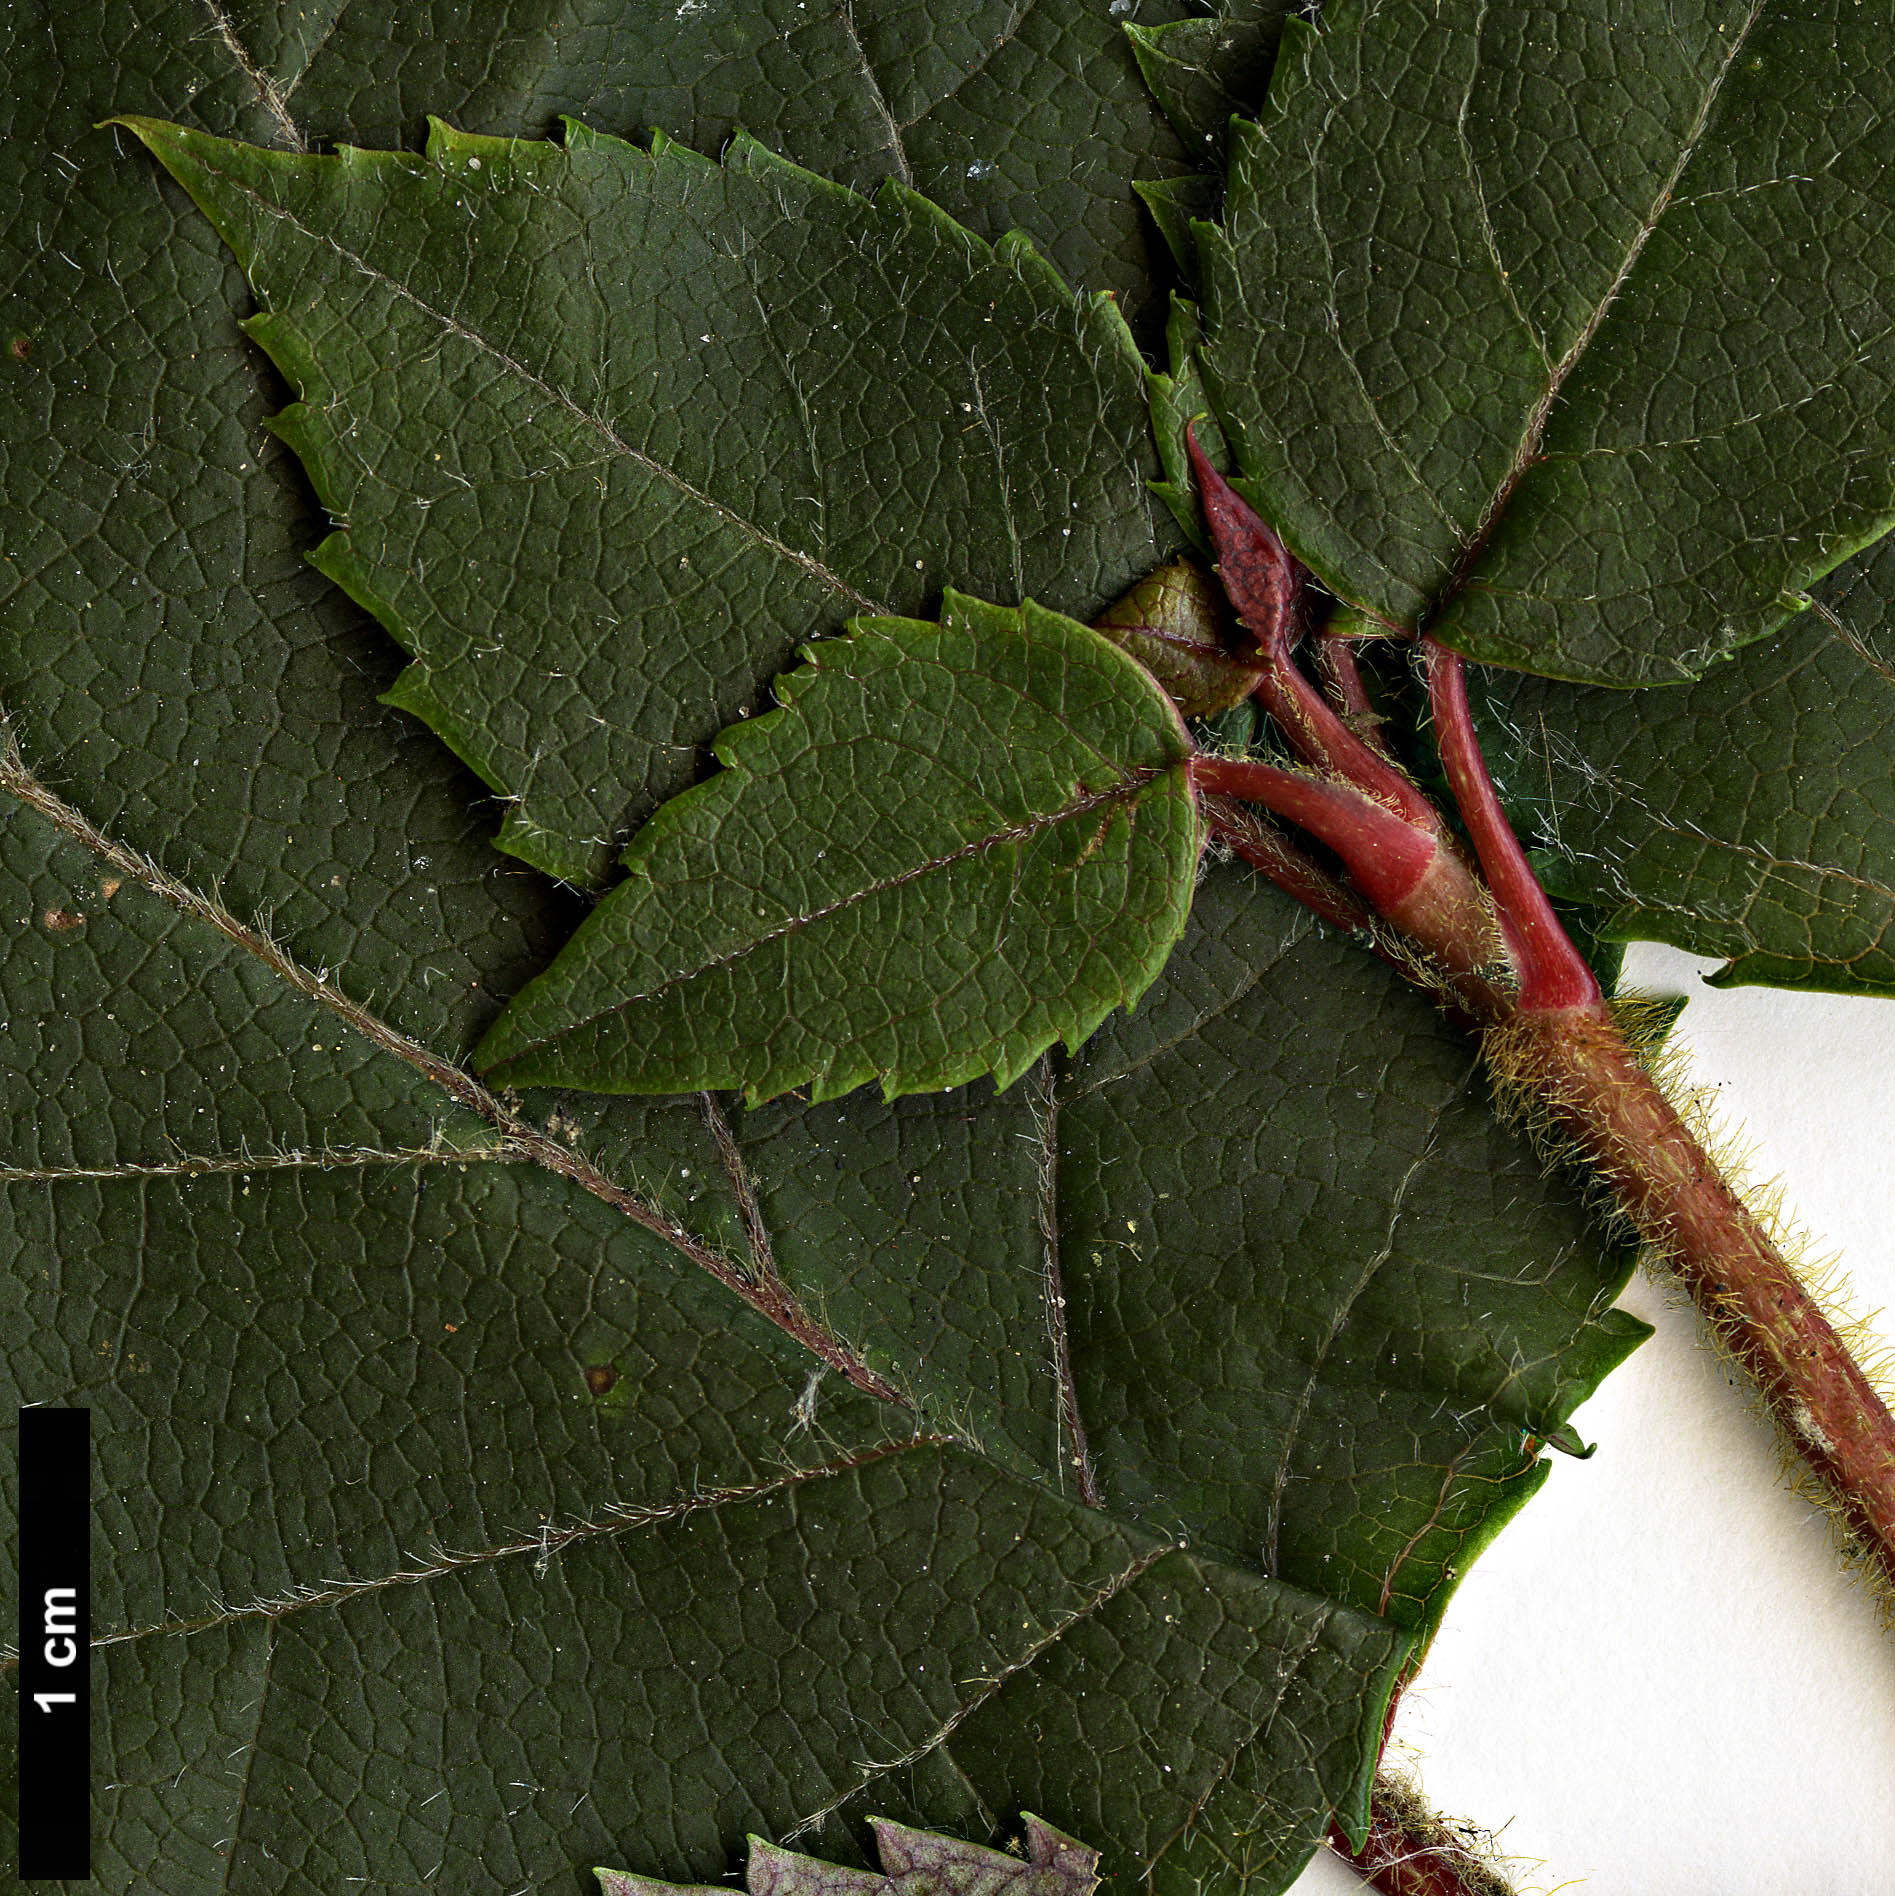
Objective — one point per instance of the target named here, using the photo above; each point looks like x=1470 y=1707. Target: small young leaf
x=1177 y=624
x=952 y=845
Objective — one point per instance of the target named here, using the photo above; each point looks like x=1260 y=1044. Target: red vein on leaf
x=525 y=1140
x=1449 y=1476
x=744 y=1186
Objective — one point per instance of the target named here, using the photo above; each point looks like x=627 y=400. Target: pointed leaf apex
x=1054 y=1849
x=774 y=1871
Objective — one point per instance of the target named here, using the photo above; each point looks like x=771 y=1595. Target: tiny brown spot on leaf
x=62 y=921
x=600 y=1378
x=22 y=347
x=110 y=887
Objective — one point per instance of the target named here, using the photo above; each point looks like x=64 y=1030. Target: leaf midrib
x=618 y=1519
x=598 y=425
x=524 y=1140
x=1127 y=790
x=1527 y=454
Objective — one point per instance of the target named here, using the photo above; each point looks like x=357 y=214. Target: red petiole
x=1493 y=949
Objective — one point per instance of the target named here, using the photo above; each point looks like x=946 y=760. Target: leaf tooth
x=1053 y=1849
x=905 y=1850
x=774 y=1871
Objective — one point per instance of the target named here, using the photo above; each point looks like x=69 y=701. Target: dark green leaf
x=1176 y=204
x=161 y=639
x=1180 y=404
x=1570 y=333
x=329 y=1320
x=1008 y=116
x=1204 y=71
x=653 y=1562
x=810 y=407
x=1314 y=1299
x=1751 y=814
x=952 y=845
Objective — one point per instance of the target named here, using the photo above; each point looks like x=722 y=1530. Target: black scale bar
x=55 y=1490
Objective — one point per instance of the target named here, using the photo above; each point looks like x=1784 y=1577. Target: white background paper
x=1659 y=1680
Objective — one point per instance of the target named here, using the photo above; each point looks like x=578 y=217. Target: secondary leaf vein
x=612 y=1520
x=1125 y=791
x=273 y=100
x=770 y=1300
x=597 y=424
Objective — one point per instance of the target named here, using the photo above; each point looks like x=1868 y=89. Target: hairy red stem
x=1575 y=1065
x=1341 y=677
x=1387 y=859
x=1274 y=856
x=1409 y=1851
x=1493 y=949
x=1412 y=879
x=1556 y=1051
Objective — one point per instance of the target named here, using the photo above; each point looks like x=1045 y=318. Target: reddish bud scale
x=1261 y=575
x=1266 y=584
x=1550 y=1041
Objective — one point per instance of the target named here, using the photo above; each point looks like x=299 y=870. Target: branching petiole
x=1265 y=584
x=1493 y=950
